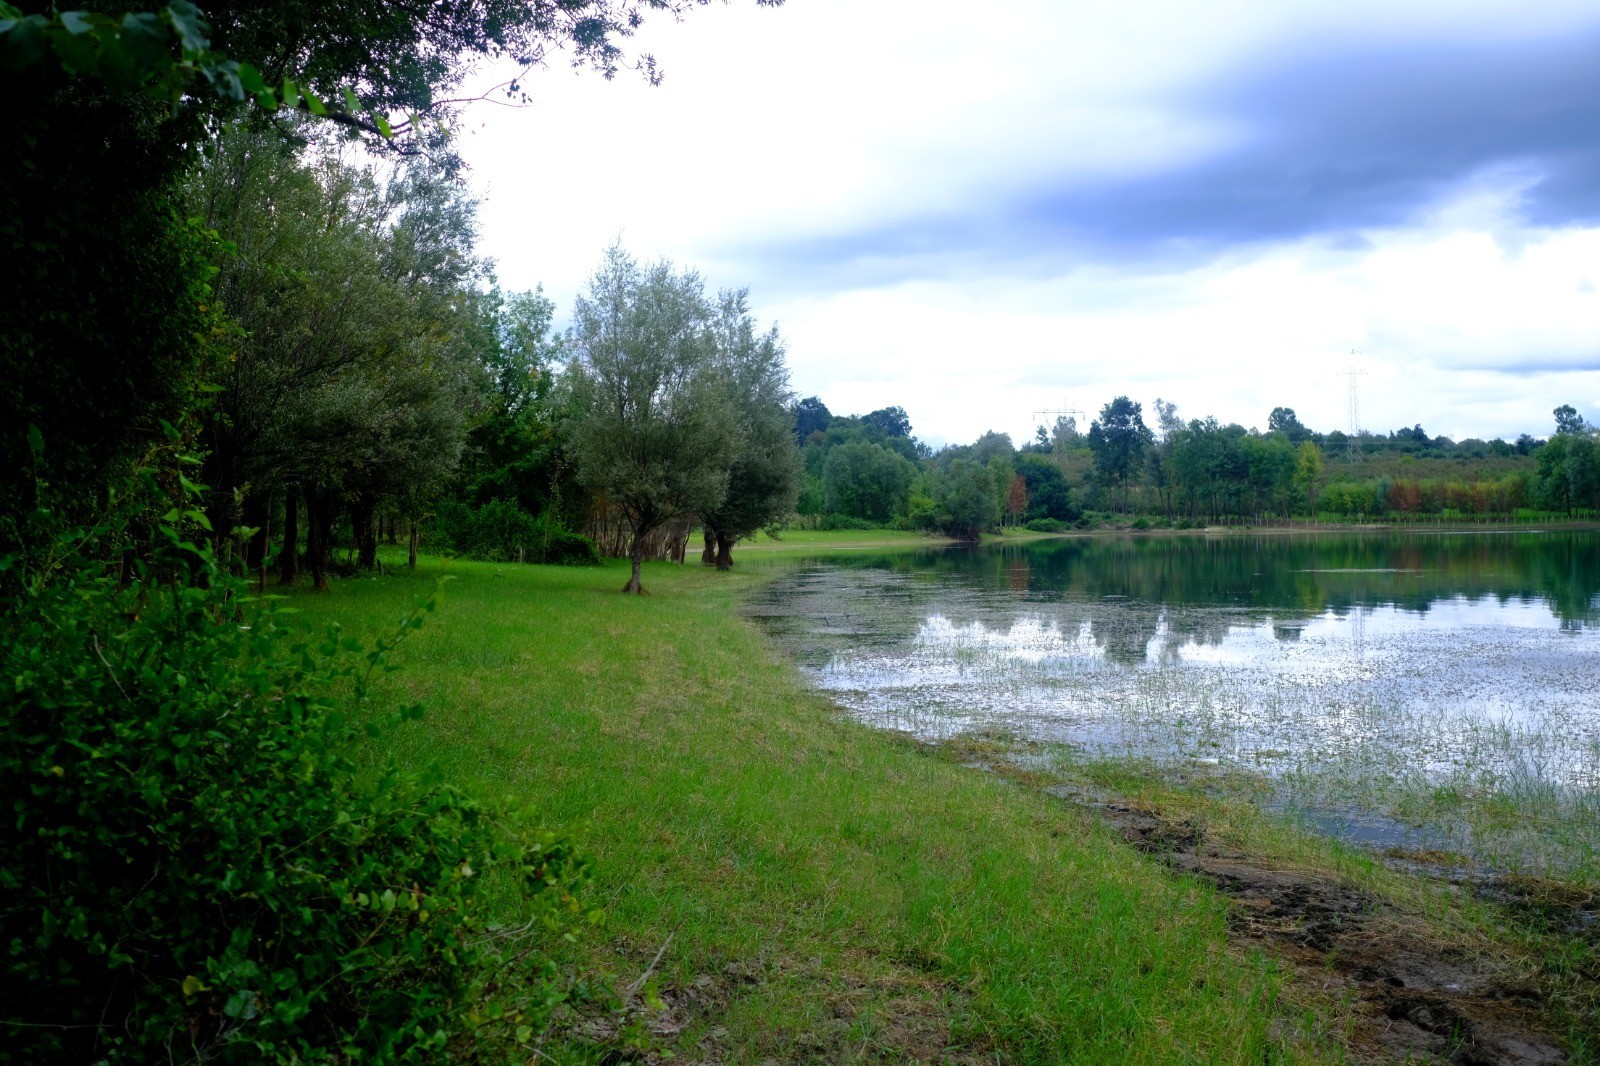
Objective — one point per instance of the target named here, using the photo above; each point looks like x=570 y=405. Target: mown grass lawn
x=825 y=892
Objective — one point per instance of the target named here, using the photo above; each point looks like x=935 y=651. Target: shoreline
x=804 y=885
x=1415 y=980
x=823 y=541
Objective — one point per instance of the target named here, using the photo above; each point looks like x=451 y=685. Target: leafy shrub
x=1048 y=525
x=844 y=521
x=922 y=513
x=500 y=531
x=1141 y=523
x=190 y=867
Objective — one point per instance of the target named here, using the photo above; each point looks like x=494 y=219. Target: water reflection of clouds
x=1479 y=672
x=1029 y=638
x=1208 y=681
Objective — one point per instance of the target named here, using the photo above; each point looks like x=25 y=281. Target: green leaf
x=79 y=53
x=193 y=33
x=35 y=440
x=144 y=41
x=77 y=23
x=23 y=42
x=251 y=79
x=383 y=125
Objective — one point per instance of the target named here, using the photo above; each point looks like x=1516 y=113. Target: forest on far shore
x=870 y=470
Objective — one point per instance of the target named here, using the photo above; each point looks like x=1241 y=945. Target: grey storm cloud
x=1336 y=139
x=1348 y=139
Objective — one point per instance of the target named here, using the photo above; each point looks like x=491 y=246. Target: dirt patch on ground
x=1412 y=999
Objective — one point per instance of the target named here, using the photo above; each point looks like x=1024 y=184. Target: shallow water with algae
x=1448 y=682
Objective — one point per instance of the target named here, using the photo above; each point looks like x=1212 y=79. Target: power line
x=1058 y=411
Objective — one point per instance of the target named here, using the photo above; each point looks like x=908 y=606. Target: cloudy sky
x=980 y=211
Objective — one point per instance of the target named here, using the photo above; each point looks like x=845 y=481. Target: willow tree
x=648 y=420
x=764 y=473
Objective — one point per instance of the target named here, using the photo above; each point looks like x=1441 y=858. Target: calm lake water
x=1445 y=661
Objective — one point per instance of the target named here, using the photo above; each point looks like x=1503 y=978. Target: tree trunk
x=636 y=557
x=316 y=551
x=709 y=556
x=289 y=554
x=319 y=534
x=363 y=511
x=257 y=515
x=724 y=552
x=411 y=558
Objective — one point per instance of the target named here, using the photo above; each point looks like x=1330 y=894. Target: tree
x=1168 y=421
x=892 y=421
x=1159 y=458
x=862 y=479
x=991 y=446
x=1269 y=465
x=764 y=476
x=1284 y=420
x=1118 y=439
x=1017 y=499
x=648 y=420
x=510 y=452
x=1064 y=434
x=967 y=504
x=106 y=309
x=1308 y=468
x=1049 y=496
x=1583 y=469
x=1568 y=420
x=811 y=415
x=358 y=356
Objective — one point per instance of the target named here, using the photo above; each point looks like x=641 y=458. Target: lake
x=1398 y=688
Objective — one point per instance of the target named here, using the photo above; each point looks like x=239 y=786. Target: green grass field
x=822 y=891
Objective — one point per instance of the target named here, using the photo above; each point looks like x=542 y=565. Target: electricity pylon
x=1352 y=375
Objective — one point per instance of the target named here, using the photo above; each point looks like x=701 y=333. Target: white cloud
x=1432 y=311
x=829 y=117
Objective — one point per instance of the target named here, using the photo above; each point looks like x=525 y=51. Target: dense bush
x=500 y=531
x=842 y=521
x=190 y=868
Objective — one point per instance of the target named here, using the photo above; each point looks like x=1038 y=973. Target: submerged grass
x=822 y=890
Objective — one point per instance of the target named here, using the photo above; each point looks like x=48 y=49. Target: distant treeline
x=869 y=469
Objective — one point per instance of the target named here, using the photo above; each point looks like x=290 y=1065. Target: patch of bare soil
x=1412 y=998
